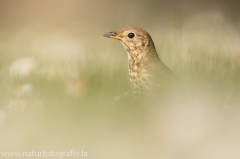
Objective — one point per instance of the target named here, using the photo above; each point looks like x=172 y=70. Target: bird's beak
x=112 y=34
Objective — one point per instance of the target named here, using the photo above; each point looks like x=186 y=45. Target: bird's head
x=135 y=40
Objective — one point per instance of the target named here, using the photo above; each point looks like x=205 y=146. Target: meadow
x=63 y=86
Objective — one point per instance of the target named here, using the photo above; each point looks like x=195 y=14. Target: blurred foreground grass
x=67 y=94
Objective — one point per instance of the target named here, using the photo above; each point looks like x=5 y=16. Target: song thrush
x=147 y=72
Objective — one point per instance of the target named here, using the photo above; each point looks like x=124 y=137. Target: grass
x=85 y=102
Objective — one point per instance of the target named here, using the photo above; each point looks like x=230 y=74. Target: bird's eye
x=131 y=35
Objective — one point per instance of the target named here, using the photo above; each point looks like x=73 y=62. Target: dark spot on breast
x=133 y=77
x=136 y=82
x=144 y=79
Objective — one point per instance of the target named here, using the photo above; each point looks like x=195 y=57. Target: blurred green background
x=63 y=86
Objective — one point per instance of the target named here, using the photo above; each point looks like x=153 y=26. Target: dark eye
x=131 y=35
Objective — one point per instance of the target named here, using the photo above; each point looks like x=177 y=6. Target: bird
x=146 y=70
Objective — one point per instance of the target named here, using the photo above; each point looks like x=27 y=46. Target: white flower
x=23 y=89
x=17 y=105
x=22 y=68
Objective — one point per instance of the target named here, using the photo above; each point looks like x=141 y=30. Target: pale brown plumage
x=147 y=72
